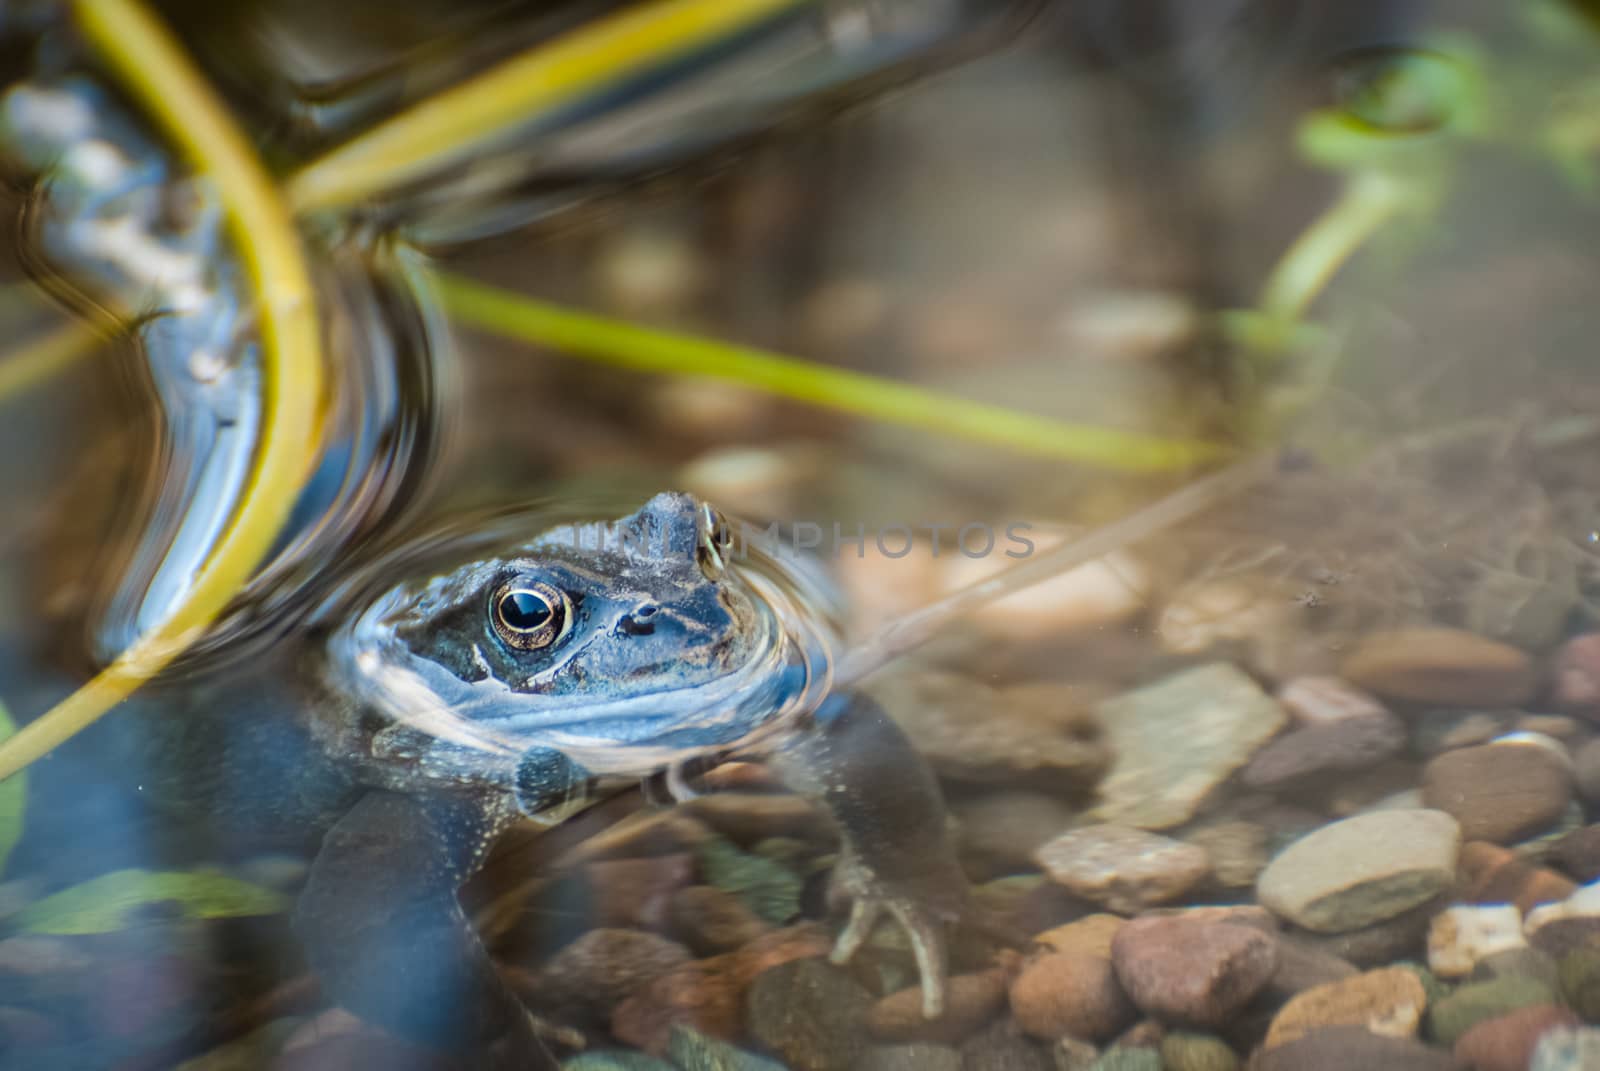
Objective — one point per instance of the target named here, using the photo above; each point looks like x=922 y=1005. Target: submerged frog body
x=426 y=718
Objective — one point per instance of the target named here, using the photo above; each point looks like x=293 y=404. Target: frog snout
x=639 y=622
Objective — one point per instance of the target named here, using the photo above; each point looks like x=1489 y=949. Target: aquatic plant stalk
x=1370 y=200
x=913 y=629
x=159 y=75
x=607 y=341
x=46 y=356
x=449 y=125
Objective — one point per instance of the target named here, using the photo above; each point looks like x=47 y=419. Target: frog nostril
x=639 y=622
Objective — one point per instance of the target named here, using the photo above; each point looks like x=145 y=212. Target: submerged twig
x=914 y=629
x=158 y=73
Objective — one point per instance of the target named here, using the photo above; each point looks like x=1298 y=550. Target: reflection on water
x=1353 y=707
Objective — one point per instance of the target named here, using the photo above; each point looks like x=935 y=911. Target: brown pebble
x=711 y=920
x=635 y=892
x=1575 y=676
x=1578 y=853
x=1586 y=766
x=1501 y=793
x=971 y=1002
x=1350 y=1048
x=1192 y=972
x=1350 y=744
x=1491 y=874
x=603 y=966
x=1071 y=989
x=1442 y=666
x=1506 y=1043
x=1389 y=1001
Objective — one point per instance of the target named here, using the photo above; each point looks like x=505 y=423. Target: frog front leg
x=388 y=940
x=896 y=857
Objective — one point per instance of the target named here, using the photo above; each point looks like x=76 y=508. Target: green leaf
x=111 y=901
x=767 y=888
x=13 y=798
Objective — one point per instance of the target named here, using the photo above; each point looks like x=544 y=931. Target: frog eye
x=529 y=616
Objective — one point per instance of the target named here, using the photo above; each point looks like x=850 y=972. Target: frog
x=410 y=722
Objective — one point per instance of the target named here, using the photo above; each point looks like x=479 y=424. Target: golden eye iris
x=529 y=616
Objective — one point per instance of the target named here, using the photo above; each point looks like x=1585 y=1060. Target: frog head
x=626 y=646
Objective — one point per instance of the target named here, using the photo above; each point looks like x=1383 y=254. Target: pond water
x=1294 y=766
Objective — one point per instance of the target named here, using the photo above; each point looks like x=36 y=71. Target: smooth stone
x=1072 y=990
x=1478 y=1002
x=1433 y=732
x=1579 y=975
x=1001 y=1046
x=1443 y=666
x=1362 y=870
x=1389 y=1002
x=1490 y=874
x=1567 y=1050
x=1352 y=744
x=1575 y=676
x=917 y=1057
x=603 y=966
x=1121 y=1058
x=1527 y=962
x=1313 y=701
x=1501 y=792
x=1302 y=966
x=712 y=921
x=810 y=1013
x=971 y=1001
x=1253 y=622
x=1578 y=853
x=1190 y=971
x=1343 y=1048
x=1125 y=869
x=1507 y=1042
x=1003 y=829
x=1581 y=906
x=1222 y=717
x=1461 y=936
x=1403 y=937
x=616 y=1060
x=1238 y=851
x=1586 y=771
x=1070 y=1054
x=969 y=732
x=1197 y=1052
x=694 y=1051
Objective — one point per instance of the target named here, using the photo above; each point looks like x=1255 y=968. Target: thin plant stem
x=607 y=341
x=448 y=126
x=913 y=629
x=154 y=68
x=1370 y=200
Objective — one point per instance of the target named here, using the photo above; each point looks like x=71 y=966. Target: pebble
x=1389 y=1001
x=1567 y=1050
x=615 y=1060
x=1561 y=926
x=1522 y=963
x=1257 y=623
x=1343 y=1048
x=1579 y=975
x=1314 y=701
x=1128 y=325
x=1586 y=771
x=1238 y=851
x=1578 y=853
x=635 y=892
x=1500 y=793
x=1123 y=868
x=1027 y=903
x=604 y=965
x=694 y=1051
x=1097 y=595
x=968 y=732
x=1001 y=830
x=711 y=920
x=1434 y=732
x=1074 y=1055
x=1575 y=676
x=1197 y=1052
x=1072 y=990
x=1362 y=870
x=1403 y=937
x=1001 y=1046
x=1221 y=715
x=1491 y=874
x=810 y=1013
x=1350 y=744
x=918 y=1057
x=971 y=1002
x=1461 y=936
x=1442 y=666
x=1302 y=966
x=1479 y=1002
x=1120 y=1058
x=1191 y=971
x=747 y=817
x=1506 y=1043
